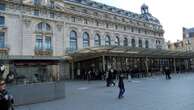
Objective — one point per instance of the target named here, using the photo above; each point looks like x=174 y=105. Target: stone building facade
x=186 y=45
x=188 y=38
x=39 y=34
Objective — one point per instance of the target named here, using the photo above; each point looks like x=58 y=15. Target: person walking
x=111 y=75
x=121 y=86
x=6 y=100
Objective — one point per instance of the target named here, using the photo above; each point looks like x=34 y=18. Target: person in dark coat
x=107 y=79
x=111 y=75
x=121 y=87
x=6 y=100
x=167 y=73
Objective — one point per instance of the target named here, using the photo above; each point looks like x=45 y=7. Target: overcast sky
x=173 y=14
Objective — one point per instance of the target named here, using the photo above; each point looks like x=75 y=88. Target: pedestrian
x=89 y=75
x=121 y=86
x=111 y=75
x=107 y=79
x=167 y=73
x=6 y=100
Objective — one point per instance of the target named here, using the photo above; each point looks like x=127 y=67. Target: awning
x=93 y=52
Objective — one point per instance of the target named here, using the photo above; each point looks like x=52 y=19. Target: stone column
x=72 y=70
x=103 y=63
x=174 y=63
x=146 y=64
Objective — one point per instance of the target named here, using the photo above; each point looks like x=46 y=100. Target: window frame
x=39 y=42
x=107 y=40
x=48 y=45
x=2 y=20
x=86 y=40
x=117 y=41
x=133 y=43
x=2 y=6
x=146 y=44
x=73 y=40
x=140 y=43
x=125 y=42
x=36 y=12
x=97 y=40
x=2 y=39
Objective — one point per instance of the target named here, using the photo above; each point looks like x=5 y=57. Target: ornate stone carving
x=59 y=26
x=41 y=52
x=27 y=22
x=4 y=51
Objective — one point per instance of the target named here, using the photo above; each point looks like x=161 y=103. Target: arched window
x=107 y=40
x=125 y=42
x=140 y=43
x=97 y=41
x=43 y=27
x=43 y=39
x=117 y=41
x=2 y=20
x=73 y=40
x=85 y=40
x=48 y=27
x=133 y=43
x=40 y=26
x=157 y=41
x=146 y=44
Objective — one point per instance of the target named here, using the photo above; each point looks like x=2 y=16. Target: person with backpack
x=6 y=100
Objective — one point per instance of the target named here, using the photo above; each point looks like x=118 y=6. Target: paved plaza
x=155 y=93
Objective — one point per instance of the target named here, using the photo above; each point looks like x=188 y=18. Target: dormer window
x=37 y=2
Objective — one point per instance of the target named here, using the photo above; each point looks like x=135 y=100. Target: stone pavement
x=154 y=93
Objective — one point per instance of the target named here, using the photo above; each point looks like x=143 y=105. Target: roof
x=191 y=30
x=115 y=10
x=88 y=53
x=18 y=57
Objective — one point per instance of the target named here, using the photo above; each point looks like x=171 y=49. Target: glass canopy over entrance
x=124 y=59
